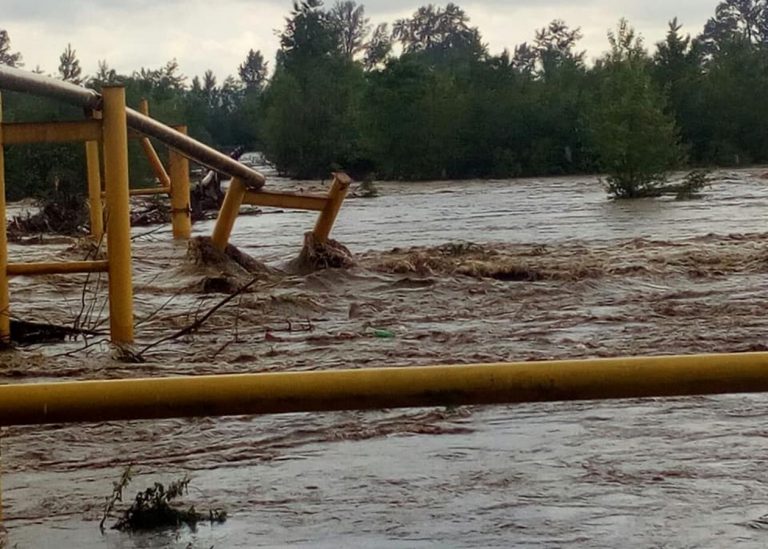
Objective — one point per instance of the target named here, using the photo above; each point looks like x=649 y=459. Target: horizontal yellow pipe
x=61 y=267
x=286 y=200
x=148 y=191
x=51 y=132
x=111 y=400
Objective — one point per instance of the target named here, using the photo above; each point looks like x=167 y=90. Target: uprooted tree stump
x=315 y=256
x=226 y=270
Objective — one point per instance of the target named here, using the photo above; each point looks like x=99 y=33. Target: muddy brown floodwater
x=459 y=272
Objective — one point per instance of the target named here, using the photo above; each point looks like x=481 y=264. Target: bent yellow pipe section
x=271 y=393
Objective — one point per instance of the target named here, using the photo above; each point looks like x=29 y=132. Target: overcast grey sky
x=217 y=34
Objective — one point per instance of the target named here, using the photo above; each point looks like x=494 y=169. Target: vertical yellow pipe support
x=118 y=215
x=5 y=312
x=228 y=213
x=336 y=196
x=181 y=213
x=94 y=189
x=151 y=154
x=5 y=318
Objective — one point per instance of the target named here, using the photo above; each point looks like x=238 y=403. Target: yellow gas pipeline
x=270 y=393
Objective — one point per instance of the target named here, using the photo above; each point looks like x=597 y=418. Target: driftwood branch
x=193 y=327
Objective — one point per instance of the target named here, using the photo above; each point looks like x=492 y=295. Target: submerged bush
x=154 y=507
x=635 y=140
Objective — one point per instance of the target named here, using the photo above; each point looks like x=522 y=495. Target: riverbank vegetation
x=424 y=98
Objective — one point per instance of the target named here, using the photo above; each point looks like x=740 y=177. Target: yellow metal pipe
x=51 y=132
x=5 y=302
x=118 y=215
x=150 y=152
x=225 y=221
x=181 y=212
x=150 y=191
x=68 y=267
x=94 y=189
x=286 y=200
x=286 y=392
x=336 y=196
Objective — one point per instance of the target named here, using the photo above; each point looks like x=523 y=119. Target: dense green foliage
x=424 y=99
x=635 y=141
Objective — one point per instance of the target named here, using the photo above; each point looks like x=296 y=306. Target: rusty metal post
x=228 y=214
x=118 y=215
x=5 y=312
x=181 y=212
x=336 y=196
x=94 y=189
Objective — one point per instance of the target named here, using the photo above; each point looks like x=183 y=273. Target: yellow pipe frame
x=5 y=302
x=181 y=208
x=238 y=194
x=336 y=196
x=362 y=389
x=225 y=221
x=151 y=154
x=68 y=267
x=294 y=201
x=118 y=215
x=152 y=191
x=95 y=207
x=51 y=132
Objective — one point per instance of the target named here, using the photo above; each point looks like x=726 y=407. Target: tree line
x=424 y=98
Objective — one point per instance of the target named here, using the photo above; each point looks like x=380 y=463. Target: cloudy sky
x=217 y=34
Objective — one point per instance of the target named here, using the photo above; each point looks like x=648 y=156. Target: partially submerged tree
x=635 y=141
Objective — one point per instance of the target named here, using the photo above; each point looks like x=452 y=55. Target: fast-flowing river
x=608 y=278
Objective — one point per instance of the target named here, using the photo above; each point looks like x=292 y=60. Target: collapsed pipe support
x=194 y=150
x=361 y=389
x=151 y=154
x=230 y=207
x=36 y=84
x=336 y=196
